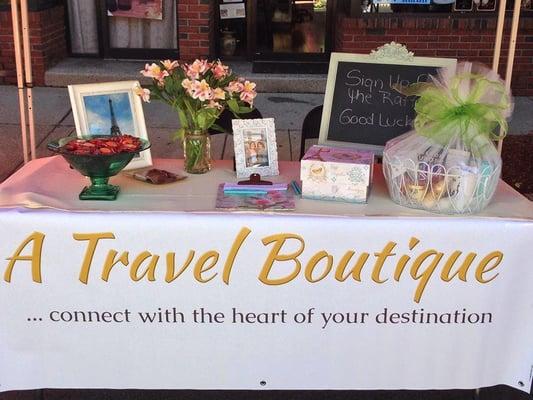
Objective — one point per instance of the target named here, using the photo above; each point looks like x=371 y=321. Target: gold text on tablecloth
x=421 y=266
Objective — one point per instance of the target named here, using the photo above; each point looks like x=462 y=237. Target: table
x=177 y=295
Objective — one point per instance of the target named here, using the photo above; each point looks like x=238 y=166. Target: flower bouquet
x=199 y=92
x=449 y=163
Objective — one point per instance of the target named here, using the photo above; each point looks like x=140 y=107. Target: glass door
x=140 y=29
x=292 y=30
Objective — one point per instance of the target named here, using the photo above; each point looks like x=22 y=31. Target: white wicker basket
x=416 y=184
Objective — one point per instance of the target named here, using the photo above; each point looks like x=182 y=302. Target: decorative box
x=333 y=173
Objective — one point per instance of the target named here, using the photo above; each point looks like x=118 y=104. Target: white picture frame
x=255 y=147
x=101 y=108
x=390 y=53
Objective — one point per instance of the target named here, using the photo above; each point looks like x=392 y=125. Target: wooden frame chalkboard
x=360 y=107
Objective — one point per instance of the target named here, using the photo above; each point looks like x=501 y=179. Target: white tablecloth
x=157 y=290
x=50 y=183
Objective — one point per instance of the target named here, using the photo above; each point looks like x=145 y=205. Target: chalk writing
x=366 y=108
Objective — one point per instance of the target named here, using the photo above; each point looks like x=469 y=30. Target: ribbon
x=468 y=104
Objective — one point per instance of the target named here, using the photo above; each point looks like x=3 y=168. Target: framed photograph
x=112 y=109
x=255 y=147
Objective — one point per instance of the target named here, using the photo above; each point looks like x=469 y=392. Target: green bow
x=442 y=112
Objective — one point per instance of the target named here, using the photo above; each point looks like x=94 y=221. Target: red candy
x=103 y=146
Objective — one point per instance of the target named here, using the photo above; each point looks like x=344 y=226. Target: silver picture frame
x=255 y=147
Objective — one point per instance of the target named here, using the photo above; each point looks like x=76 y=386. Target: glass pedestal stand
x=100 y=189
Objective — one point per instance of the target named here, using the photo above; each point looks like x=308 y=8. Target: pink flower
x=235 y=87
x=249 y=86
x=219 y=94
x=170 y=65
x=201 y=90
x=154 y=71
x=248 y=93
x=144 y=94
x=196 y=68
x=220 y=71
x=187 y=84
x=248 y=97
x=215 y=104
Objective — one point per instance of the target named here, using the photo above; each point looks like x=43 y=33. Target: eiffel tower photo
x=115 y=129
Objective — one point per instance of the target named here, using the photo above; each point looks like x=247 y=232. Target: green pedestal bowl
x=98 y=168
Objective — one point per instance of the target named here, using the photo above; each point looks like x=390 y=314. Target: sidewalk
x=53 y=119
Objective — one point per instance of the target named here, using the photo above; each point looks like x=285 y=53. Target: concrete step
x=91 y=70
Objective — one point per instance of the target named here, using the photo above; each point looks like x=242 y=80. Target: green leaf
x=233 y=106
x=202 y=119
x=245 y=110
x=192 y=113
x=183 y=118
x=218 y=128
x=179 y=134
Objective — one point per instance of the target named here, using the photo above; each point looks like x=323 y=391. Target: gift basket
x=448 y=163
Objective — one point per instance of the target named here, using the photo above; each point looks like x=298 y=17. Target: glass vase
x=197 y=152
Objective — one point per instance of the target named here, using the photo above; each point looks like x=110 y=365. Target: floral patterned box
x=333 y=173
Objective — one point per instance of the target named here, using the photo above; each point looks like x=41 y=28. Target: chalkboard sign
x=360 y=105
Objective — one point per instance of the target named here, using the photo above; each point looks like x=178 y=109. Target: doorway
x=292 y=36
x=123 y=29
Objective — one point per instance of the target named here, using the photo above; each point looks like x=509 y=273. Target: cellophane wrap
x=449 y=163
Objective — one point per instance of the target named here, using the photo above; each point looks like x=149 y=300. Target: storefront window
x=140 y=29
x=291 y=26
x=233 y=26
x=142 y=24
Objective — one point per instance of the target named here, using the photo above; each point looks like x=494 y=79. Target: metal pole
x=20 y=76
x=512 y=48
x=28 y=70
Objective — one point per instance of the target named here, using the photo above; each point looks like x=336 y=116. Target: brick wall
x=195 y=21
x=7 y=60
x=48 y=37
x=47 y=41
x=464 y=38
